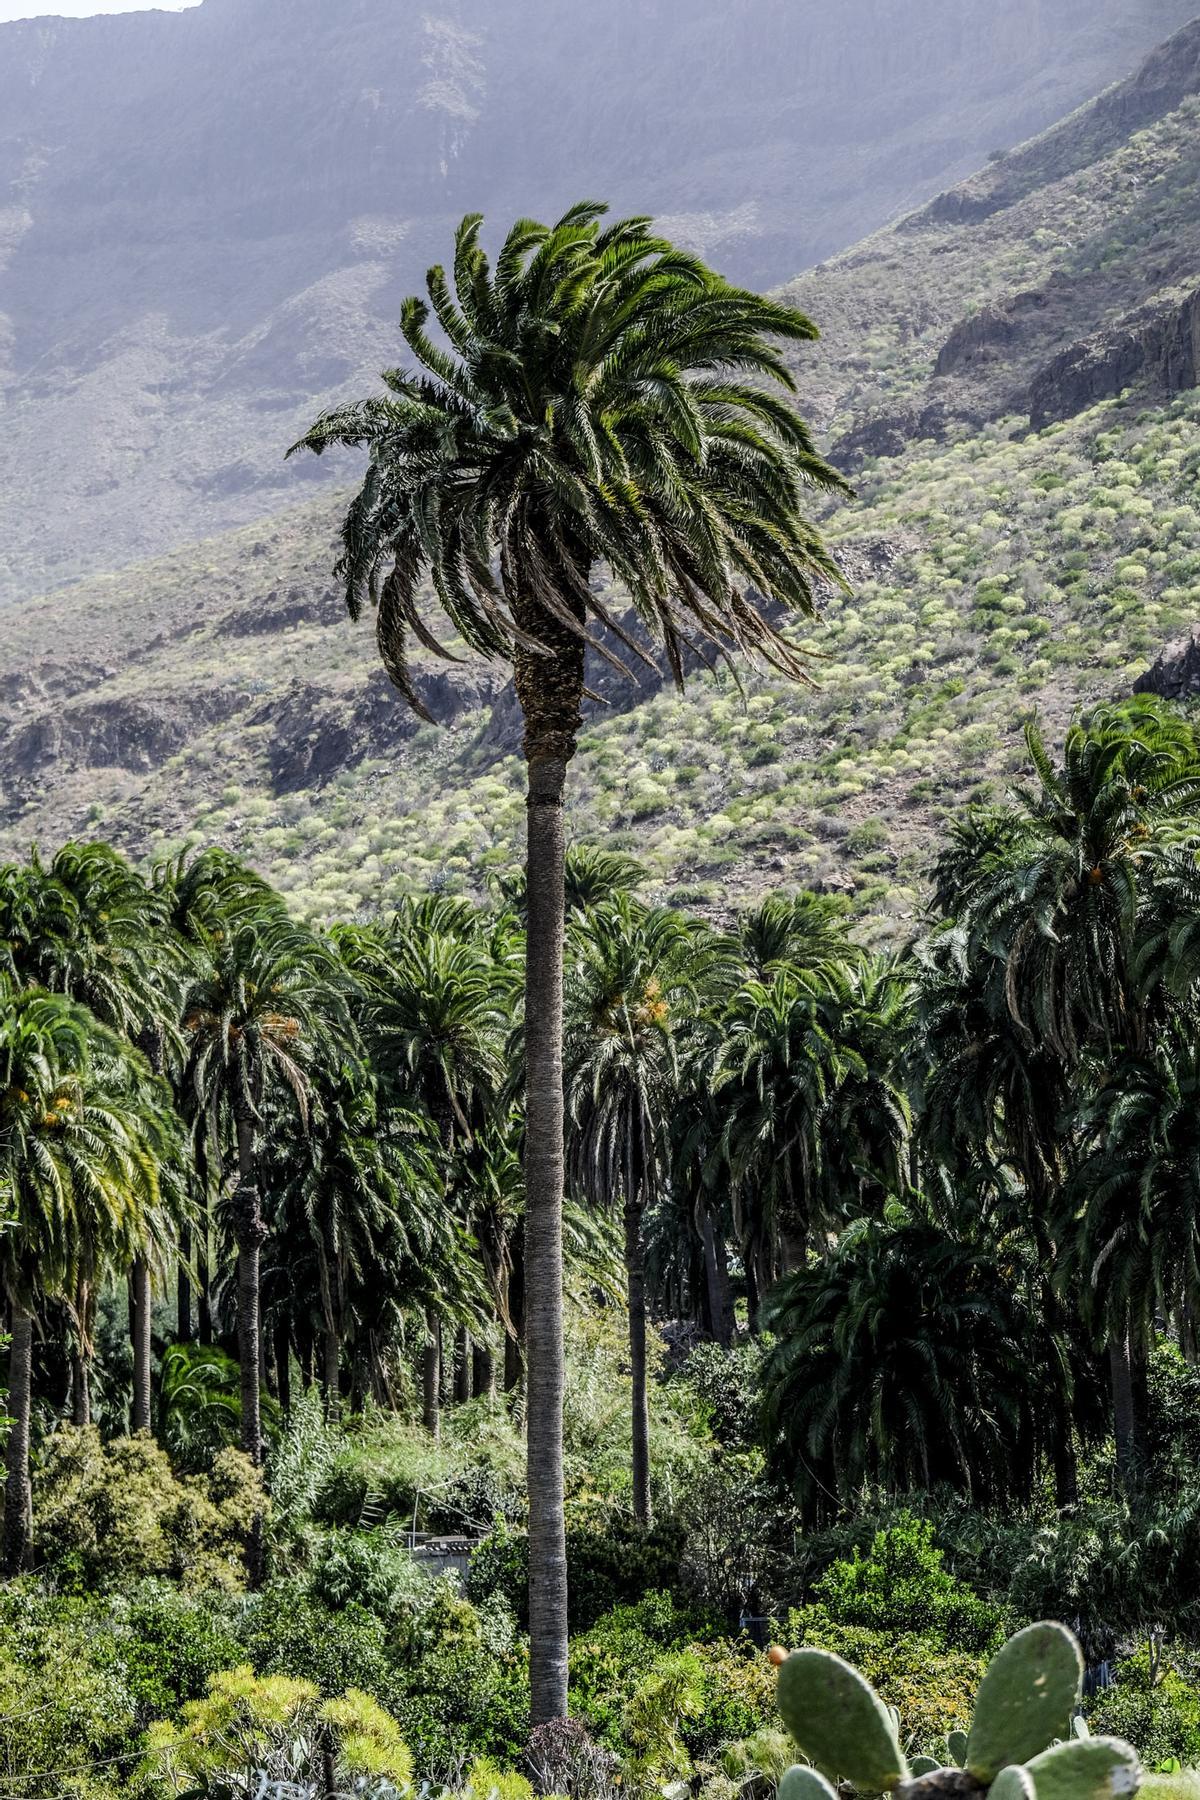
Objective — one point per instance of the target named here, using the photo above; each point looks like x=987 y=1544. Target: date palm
x=87 y=925
x=598 y=399
x=84 y=1130
x=906 y=1357
x=633 y=991
x=269 y=1001
x=813 y=1111
x=1053 y=899
x=436 y=1004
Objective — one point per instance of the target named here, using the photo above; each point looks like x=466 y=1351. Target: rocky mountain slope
x=207 y=218
x=1031 y=548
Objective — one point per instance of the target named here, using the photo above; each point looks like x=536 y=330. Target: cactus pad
x=801 y=1783
x=1086 y=1769
x=924 y=1765
x=1013 y=1783
x=1025 y=1700
x=957 y=1745
x=839 y=1721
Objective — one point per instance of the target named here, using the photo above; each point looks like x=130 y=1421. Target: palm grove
x=957 y=1187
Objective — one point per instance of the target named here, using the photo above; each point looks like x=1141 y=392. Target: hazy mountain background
x=207 y=218
x=1012 y=373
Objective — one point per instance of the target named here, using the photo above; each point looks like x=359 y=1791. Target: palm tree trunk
x=462 y=1366
x=283 y=1362
x=204 y=1320
x=249 y=1233
x=18 y=1504
x=544 y=1177
x=81 y=1390
x=483 y=1372
x=183 y=1289
x=1124 y=1424
x=139 y=1323
x=333 y=1369
x=514 y=1341
x=431 y=1375
x=753 y=1297
x=635 y=1275
x=716 y=1279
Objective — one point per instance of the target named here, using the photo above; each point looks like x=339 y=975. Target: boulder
x=1175 y=674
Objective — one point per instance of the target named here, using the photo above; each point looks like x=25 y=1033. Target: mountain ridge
x=207 y=219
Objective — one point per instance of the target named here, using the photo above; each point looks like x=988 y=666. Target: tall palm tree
x=1053 y=898
x=204 y=894
x=600 y=398
x=84 y=1130
x=270 y=1001
x=633 y=987
x=365 y=1189
x=436 y=1009
x=1130 y=1213
x=93 y=929
x=813 y=1110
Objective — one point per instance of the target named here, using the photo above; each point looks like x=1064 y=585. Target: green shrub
x=725 y=1384
x=108 y=1513
x=902 y=1585
x=1159 y=1712
x=932 y=1689
x=286 y=1632
x=656 y=1681
x=67 y=1715
x=170 y=1644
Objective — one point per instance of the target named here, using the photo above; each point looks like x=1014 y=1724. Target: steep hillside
x=207 y=219
x=998 y=571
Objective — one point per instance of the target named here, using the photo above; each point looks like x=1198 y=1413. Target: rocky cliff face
x=207 y=219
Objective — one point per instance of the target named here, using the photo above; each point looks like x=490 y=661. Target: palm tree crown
x=602 y=397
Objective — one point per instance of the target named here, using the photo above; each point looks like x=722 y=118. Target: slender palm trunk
x=483 y=1372
x=635 y=1275
x=18 y=1503
x=183 y=1289
x=139 y=1325
x=81 y=1356
x=753 y=1297
x=1124 y=1421
x=431 y=1375
x=204 y=1319
x=283 y=1362
x=716 y=1278
x=544 y=1176
x=462 y=1366
x=333 y=1369
x=514 y=1340
x=81 y=1390
x=249 y=1233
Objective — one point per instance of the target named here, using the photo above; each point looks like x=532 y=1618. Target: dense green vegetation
x=911 y=1245
x=881 y=1234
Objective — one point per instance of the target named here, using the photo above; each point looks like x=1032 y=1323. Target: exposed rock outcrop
x=124 y=733
x=1161 y=346
x=315 y=732
x=1175 y=673
x=991 y=331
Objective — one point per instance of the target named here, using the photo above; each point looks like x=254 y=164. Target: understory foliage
x=919 y=1242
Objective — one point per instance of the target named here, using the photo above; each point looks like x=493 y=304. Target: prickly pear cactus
x=801 y=1783
x=839 y=1721
x=1026 y=1741
x=1086 y=1769
x=1025 y=1700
